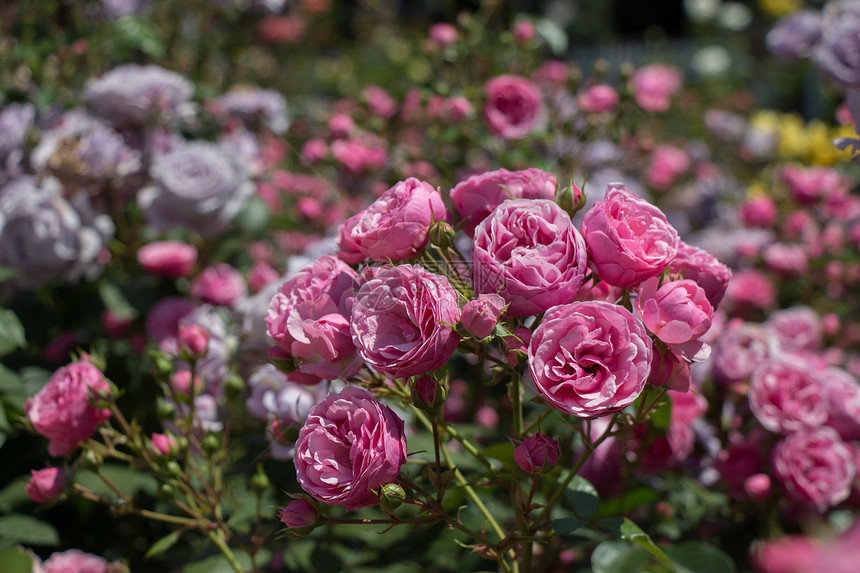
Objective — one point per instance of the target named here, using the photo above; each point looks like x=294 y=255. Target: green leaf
x=618 y=556
x=163 y=544
x=700 y=557
x=14 y=494
x=581 y=497
x=632 y=532
x=127 y=480
x=662 y=416
x=254 y=216
x=504 y=452
x=10 y=381
x=16 y=561
x=115 y=301
x=138 y=33
x=19 y=528
x=567 y=525
x=11 y=332
x=7 y=273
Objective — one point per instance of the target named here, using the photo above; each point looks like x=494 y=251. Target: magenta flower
x=536 y=453
x=513 y=106
x=169 y=259
x=46 y=484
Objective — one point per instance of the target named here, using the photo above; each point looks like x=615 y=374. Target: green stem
x=543 y=416
x=470 y=492
x=216 y=537
x=515 y=392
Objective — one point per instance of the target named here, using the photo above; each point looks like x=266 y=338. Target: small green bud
x=211 y=443
x=165 y=409
x=259 y=482
x=233 y=387
x=442 y=235
x=166 y=491
x=173 y=468
x=391 y=496
x=91 y=460
x=570 y=198
x=164 y=365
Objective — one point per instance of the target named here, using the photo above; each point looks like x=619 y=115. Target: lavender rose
x=308 y=319
x=252 y=106
x=837 y=53
x=198 y=186
x=349 y=446
x=794 y=36
x=401 y=321
x=477 y=196
x=589 y=359
x=513 y=106
x=15 y=122
x=135 y=95
x=530 y=253
x=63 y=410
x=628 y=239
x=815 y=467
x=396 y=226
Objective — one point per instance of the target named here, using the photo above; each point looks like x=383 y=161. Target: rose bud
x=424 y=390
x=479 y=317
x=758 y=487
x=391 y=496
x=169 y=259
x=537 y=453
x=46 y=484
x=193 y=340
x=300 y=517
x=164 y=444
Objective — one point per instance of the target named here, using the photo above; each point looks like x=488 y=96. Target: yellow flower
x=779 y=8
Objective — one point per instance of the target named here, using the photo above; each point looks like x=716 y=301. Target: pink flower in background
x=530 y=253
x=785 y=259
x=789 y=554
x=479 y=317
x=513 y=107
x=751 y=287
x=476 y=197
x=678 y=313
x=308 y=319
x=628 y=239
x=815 y=467
x=164 y=444
x=46 y=484
x=552 y=74
x=589 y=359
x=523 y=31
x=742 y=347
x=349 y=446
x=667 y=164
x=786 y=395
x=758 y=212
x=402 y=321
x=703 y=268
x=798 y=328
x=599 y=98
x=193 y=339
x=63 y=409
x=220 y=284
x=536 y=453
x=396 y=226
x=379 y=102
x=443 y=34
x=260 y=275
x=75 y=561
x=653 y=86
x=808 y=185
x=314 y=150
x=843 y=398
x=457 y=108
x=169 y=259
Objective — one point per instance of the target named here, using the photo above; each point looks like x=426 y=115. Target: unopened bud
x=165 y=409
x=570 y=198
x=424 y=392
x=259 y=482
x=193 y=341
x=442 y=235
x=91 y=460
x=391 y=496
x=173 y=468
x=166 y=491
x=233 y=387
x=211 y=443
x=300 y=517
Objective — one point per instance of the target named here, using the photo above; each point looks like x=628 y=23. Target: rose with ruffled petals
x=590 y=358
x=349 y=446
x=628 y=239
x=133 y=95
x=477 y=196
x=402 y=321
x=46 y=484
x=786 y=395
x=530 y=253
x=396 y=226
x=742 y=347
x=653 y=86
x=74 y=561
x=815 y=467
x=677 y=312
x=701 y=266
x=308 y=319
x=64 y=411
x=513 y=106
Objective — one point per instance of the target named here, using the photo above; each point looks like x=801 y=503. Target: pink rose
x=530 y=253
x=740 y=350
x=476 y=197
x=787 y=396
x=359 y=155
x=379 y=102
x=758 y=487
x=797 y=329
x=443 y=34
x=75 y=561
x=220 y=284
x=63 y=409
x=738 y=462
x=597 y=99
x=46 y=484
x=169 y=259
x=589 y=359
x=815 y=467
x=667 y=164
x=299 y=514
x=751 y=287
x=789 y=554
x=536 y=453
x=669 y=369
x=758 y=212
x=401 y=321
x=347 y=248
x=455 y=109
x=260 y=275
x=552 y=74
x=663 y=452
x=787 y=260
x=164 y=444
x=349 y=446
x=193 y=339
x=513 y=106
x=314 y=150
x=479 y=317
x=678 y=313
x=701 y=266
x=653 y=86
x=340 y=125
x=807 y=185
x=843 y=397
x=628 y=239
x=396 y=226
x=308 y=319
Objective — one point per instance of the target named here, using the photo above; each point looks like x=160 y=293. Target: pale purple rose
x=530 y=253
x=794 y=36
x=134 y=95
x=221 y=285
x=476 y=197
x=786 y=395
x=837 y=52
x=678 y=313
x=198 y=186
x=396 y=226
x=536 y=453
x=46 y=484
x=308 y=319
x=589 y=359
x=742 y=347
x=628 y=239
x=513 y=107
x=843 y=396
x=349 y=446
x=815 y=467
x=797 y=329
x=479 y=317
x=254 y=107
x=653 y=85
x=75 y=561
x=16 y=120
x=63 y=409
x=402 y=321
x=703 y=268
